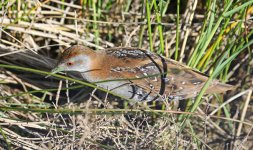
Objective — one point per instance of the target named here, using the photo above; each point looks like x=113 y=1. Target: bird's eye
x=69 y=63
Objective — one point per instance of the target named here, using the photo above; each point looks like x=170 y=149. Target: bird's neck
x=98 y=70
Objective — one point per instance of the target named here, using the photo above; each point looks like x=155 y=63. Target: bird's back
x=157 y=76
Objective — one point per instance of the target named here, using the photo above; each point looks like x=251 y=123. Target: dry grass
x=41 y=113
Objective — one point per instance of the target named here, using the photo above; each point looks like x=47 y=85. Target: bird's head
x=76 y=58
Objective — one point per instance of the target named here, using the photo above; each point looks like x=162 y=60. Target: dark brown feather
x=160 y=75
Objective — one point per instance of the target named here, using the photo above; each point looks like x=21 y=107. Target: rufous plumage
x=136 y=73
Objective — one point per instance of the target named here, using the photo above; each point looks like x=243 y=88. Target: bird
x=136 y=74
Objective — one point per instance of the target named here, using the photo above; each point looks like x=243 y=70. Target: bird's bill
x=55 y=70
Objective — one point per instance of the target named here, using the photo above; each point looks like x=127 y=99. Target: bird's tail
x=218 y=87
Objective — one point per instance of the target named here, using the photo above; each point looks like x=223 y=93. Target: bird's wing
x=161 y=76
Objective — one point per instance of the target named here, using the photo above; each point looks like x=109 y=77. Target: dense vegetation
x=62 y=112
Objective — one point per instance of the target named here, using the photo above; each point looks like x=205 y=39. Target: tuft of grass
x=213 y=37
